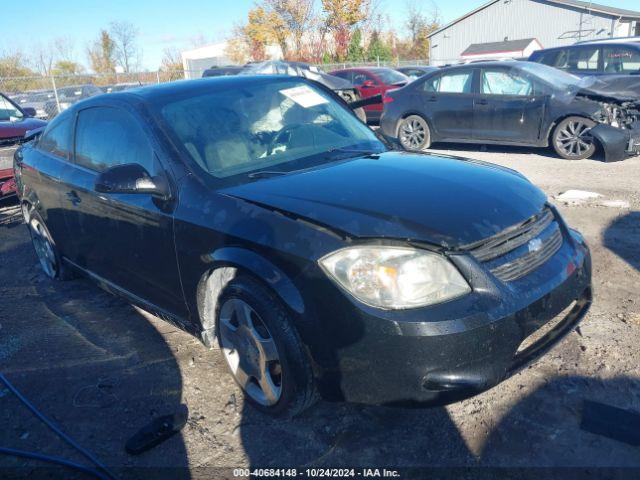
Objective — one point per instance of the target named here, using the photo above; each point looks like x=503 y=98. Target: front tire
x=262 y=349
x=571 y=139
x=414 y=133
x=46 y=251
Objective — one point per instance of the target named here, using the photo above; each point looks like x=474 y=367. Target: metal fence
x=49 y=95
x=327 y=67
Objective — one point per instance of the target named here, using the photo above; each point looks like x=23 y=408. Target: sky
x=164 y=23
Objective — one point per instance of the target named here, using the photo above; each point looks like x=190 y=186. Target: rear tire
x=414 y=134
x=571 y=139
x=46 y=251
x=262 y=349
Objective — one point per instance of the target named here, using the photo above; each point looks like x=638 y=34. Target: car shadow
x=545 y=429
x=90 y=362
x=457 y=148
x=540 y=430
x=622 y=237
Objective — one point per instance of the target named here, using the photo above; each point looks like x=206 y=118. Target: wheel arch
x=29 y=199
x=227 y=264
x=552 y=127
x=408 y=113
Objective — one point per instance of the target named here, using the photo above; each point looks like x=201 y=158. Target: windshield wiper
x=266 y=173
x=364 y=153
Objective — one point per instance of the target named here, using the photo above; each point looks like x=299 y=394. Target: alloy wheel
x=413 y=133
x=250 y=351
x=574 y=139
x=43 y=247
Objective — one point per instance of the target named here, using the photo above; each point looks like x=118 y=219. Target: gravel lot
x=102 y=369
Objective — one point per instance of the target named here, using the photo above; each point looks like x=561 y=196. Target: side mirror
x=368 y=84
x=131 y=178
x=29 y=111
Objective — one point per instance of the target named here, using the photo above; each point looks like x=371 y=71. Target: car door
x=126 y=239
x=507 y=108
x=446 y=100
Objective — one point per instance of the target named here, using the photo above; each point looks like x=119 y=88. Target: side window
x=458 y=82
x=504 y=82
x=621 y=60
x=584 y=59
x=106 y=137
x=56 y=140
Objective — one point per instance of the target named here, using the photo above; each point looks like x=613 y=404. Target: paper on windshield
x=304 y=96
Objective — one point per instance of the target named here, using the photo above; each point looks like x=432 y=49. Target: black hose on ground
x=55 y=460
x=107 y=474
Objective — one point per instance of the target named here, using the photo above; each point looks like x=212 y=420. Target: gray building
x=552 y=23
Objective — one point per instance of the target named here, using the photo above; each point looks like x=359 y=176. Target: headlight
x=395 y=277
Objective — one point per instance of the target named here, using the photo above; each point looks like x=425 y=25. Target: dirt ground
x=102 y=369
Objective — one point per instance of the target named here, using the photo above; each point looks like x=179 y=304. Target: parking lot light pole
x=55 y=92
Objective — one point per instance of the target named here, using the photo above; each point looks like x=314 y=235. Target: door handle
x=482 y=101
x=73 y=197
x=432 y=98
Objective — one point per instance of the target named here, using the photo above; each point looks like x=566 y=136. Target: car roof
x=163 y=91
x=488 y=63
x=619 y=43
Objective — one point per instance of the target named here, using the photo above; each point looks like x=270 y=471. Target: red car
x=14 y=123
x=371 y=81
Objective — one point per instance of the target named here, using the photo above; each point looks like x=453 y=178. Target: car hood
x=617 y=89
x=19 y=128
x=441 y=200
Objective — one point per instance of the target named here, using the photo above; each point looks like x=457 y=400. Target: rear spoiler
x=33 y=134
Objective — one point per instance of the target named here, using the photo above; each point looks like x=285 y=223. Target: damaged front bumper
x=7 y=182
x=617 y=144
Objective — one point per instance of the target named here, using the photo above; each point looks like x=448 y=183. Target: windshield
x=551 y=75
x=390 y=77
x=255 y=126
x=8 y=111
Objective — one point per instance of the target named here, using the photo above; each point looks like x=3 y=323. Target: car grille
x=505 y=253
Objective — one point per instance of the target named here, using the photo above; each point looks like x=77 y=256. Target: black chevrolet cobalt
x=260 y=214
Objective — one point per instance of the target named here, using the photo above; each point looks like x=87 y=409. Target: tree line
x=114 y=49
x=333 y=31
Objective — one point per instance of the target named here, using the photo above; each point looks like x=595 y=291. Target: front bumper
x=440 y=354
x=617 y=144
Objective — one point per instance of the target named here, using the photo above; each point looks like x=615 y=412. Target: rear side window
x=621 y=60
x=458 y=82
x=584 y=59
x=106 y=137
x=56 y=140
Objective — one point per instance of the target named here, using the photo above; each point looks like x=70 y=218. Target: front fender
x=263 y=269
x=614 y=142
x=225 y=263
